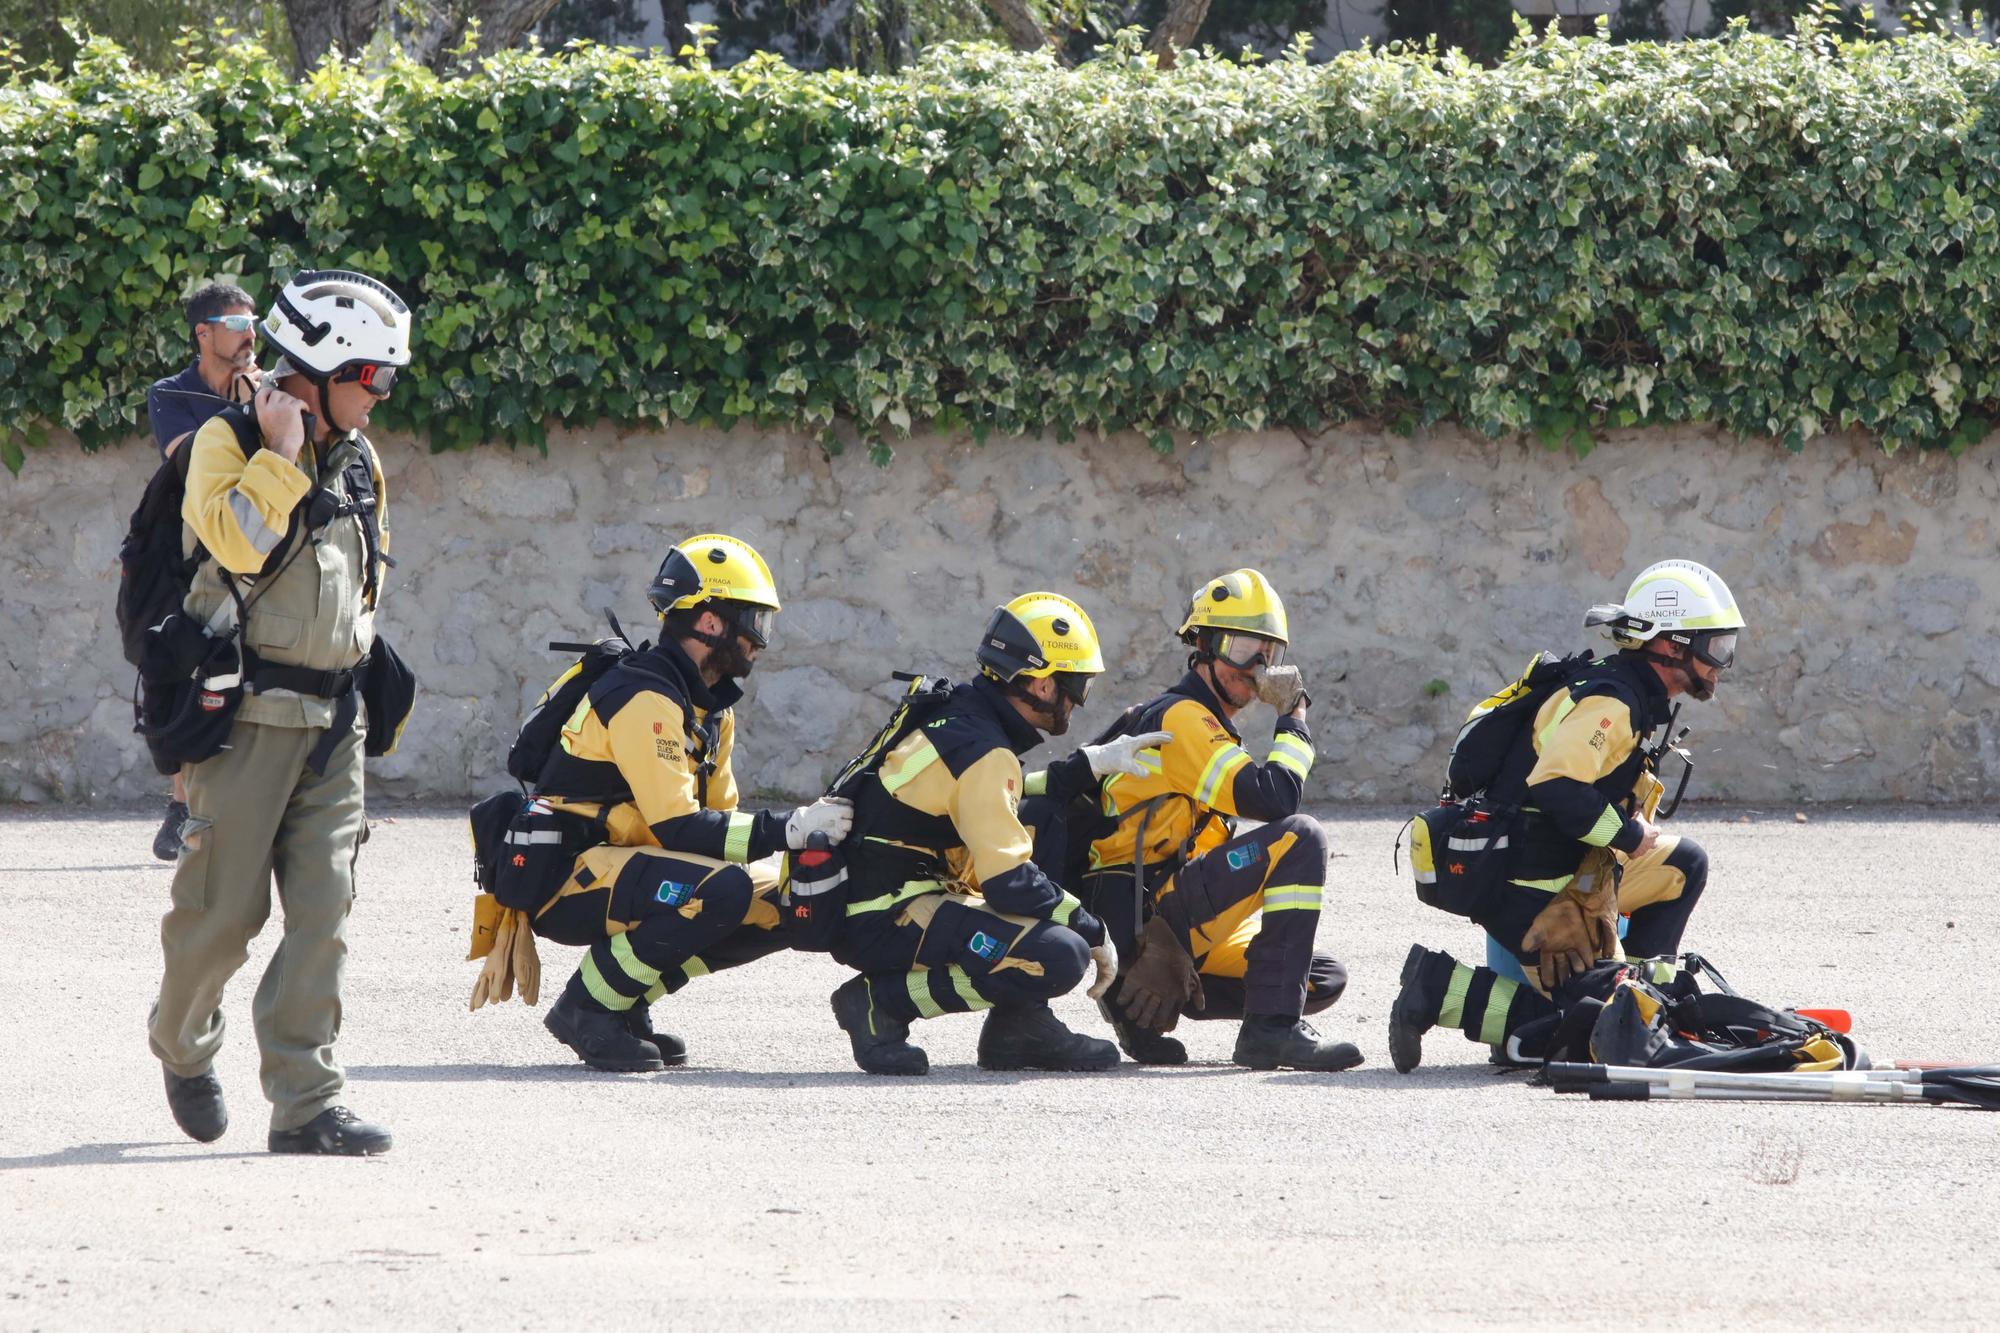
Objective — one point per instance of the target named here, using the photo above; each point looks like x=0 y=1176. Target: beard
x=729 y=659
x=1058 y=715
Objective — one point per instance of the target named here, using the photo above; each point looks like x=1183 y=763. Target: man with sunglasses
x=1223 y=922
x=946 y=910
x=667 y=894
x=1585 y=849
x=222 y=324
x=223 y=329
x=285 y=498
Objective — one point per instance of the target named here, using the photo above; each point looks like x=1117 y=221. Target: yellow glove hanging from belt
x=511 y=959
x=1580 y=925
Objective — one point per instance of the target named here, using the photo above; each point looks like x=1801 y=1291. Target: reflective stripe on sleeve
x=1222 y=766
x=1606 y=828
x=1292 y=752
x=736 y=846
x=255 y=530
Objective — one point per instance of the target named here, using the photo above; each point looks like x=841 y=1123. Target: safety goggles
x=1246 y=651
x=1074 y=686
x=234 y=323
x=753 y=622
x=1717 y=648
x=377 y=379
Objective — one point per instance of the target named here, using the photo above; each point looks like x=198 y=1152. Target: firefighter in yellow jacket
x=1223 y=922
x=1586 y=849
x=946 y=911
x=667 y=893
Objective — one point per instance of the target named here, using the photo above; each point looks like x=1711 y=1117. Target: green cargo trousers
x=267 y=812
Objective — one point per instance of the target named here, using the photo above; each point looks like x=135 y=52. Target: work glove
x=1121 y=756
x=830 y=815
x=1281 y=687
x=1579 y=926
x=1162 y=980
x=496 y=977
x=527 y=963
x=1105 y=960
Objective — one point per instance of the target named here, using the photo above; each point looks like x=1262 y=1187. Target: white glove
x=831 y=815
x=1106 y=963
x=1281 y=687
x=1121 y=756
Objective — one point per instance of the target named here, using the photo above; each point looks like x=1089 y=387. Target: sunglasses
x=377 y=379
x=234 y=323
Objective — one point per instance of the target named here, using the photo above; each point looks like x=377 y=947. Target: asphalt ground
x=769 y=1184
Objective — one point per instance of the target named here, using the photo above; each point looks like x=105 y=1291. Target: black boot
x=639 y=1022
x=600 y=1038
x=197 y=1105
x=1273 y=1041
x=1410 y=1017
x=1144 y=1046
x=881 y=1041
x=167 y=842
x=1030 y=1036
x=337 y=1132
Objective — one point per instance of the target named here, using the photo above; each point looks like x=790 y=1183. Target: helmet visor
x=1717 y=648
x=1247 y=651
x=1074 y=685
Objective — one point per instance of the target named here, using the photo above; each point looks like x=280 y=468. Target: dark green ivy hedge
x=1784 y=238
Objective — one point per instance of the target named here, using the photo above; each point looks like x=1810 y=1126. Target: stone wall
x=1420 y=574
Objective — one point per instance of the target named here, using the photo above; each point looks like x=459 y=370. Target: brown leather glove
x=1161 y=982
x=1579 y=926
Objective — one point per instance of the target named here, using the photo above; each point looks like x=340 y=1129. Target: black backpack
x=1492 y=732
x=537 y=738
x=153 y=573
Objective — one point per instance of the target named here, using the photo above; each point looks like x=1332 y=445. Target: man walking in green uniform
x=285 y=498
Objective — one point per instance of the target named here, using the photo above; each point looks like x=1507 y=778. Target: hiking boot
x=197 y=1105
x=880 y=1040
x=1143 y=1045
x=1409 y=1016
x=336 y=1132
x=1030 y=1036
x=1279 y=1041
x=167 y=842
x=639 y=1022
x=601 y=1039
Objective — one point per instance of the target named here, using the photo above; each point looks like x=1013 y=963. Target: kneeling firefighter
x=946 y=912
x=1548 y=835
x=1215 y=924
x=632 y=843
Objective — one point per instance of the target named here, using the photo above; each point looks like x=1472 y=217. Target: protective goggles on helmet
x=1246 y=651
x=752 y=622
x=377 y=379
x=1716 y=647
x=234 y=323
x=1073 y=686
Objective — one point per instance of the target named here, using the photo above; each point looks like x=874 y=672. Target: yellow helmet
x=713 y=567
x=1240 y=603
x=1039 y=634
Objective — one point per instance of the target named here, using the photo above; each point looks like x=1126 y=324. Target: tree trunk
x=674 y=17
x=1021 y=26
x=441 y=29
x=1176 y=30
x=343 y=26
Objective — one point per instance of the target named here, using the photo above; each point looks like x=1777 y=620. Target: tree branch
x=1176 y=30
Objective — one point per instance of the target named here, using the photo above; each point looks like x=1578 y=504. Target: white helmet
x=327 y=320
x=1681 y=601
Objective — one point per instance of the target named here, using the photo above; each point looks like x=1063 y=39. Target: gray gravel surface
x=771 y=1185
